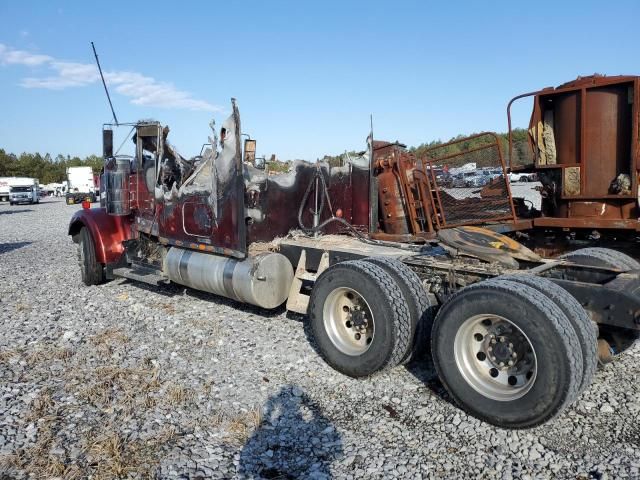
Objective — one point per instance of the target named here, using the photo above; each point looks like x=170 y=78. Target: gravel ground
x=122 y=380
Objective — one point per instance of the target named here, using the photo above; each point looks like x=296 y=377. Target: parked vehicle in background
x=23 y=190
x=465 y=179
x=4 y=189
x=522 y=177
x=81 y=185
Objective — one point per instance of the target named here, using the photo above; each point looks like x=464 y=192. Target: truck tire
x=602 y=257
x=524 y=179
x=420 y=308
x=91 y=271
x=484 y=325
x=586 y=329
x=359 y=318
x=621 y=339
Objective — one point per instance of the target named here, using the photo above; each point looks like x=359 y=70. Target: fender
x=108 y=232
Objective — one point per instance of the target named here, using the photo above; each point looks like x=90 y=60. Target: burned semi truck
x=382 y=255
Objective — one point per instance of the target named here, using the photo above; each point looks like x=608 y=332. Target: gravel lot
x=123 y=380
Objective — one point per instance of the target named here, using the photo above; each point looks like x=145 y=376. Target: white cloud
x=143 y=90
x=10 y=56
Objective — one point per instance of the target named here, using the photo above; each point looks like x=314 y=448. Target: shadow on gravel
x=421 y=366
x=174 y=290
x=7 y=247
x=9 y=212
x=423 y=370
x=294 y=440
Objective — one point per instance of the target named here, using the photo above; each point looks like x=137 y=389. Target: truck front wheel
x=359 y=318
x=91 y=271
x=506 y=354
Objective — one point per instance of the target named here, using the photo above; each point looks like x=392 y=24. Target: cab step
x=142 y=274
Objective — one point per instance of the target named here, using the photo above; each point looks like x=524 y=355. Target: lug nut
x=501 y=364
x=493 y=341
x=511 y=345
x=510 y=363
x=501 y=339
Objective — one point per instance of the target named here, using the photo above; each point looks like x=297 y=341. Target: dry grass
x=9 y=354
x=109 y=339
x=208 y=326
x=109 y=456
x=47 y=354
x=125 y=386
x=240 y=427
x=178 y=395
x=22 y=307
x=114 y=456
x=168 y=308
x=36 y=460
x=110 y=336
x=206 y=387
x=41 y=405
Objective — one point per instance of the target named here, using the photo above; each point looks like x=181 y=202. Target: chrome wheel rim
x=348 y=321
x=495 y=357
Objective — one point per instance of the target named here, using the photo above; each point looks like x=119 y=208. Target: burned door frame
x=225 y=198
x=146 y=203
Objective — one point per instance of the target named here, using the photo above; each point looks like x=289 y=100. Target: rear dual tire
x=484 y=327
x=420 y=309
x=585 y=328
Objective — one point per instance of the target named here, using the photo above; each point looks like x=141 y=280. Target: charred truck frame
x=373 y=252
x=584 y=147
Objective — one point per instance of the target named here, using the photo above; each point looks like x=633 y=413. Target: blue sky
x=306 y=74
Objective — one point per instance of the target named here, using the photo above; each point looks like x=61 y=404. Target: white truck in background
x=19 y=190
x=4 y=189
x=81 y=185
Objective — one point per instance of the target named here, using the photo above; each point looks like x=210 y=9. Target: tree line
x=522 y=154
x=48 y=169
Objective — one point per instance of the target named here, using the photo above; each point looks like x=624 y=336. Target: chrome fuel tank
x=263 y=280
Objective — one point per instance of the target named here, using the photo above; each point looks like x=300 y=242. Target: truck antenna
x=104 y=83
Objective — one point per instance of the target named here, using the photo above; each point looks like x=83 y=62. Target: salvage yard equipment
x=378 y=254
x=584 y=148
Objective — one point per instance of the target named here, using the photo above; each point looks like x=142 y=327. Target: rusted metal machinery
x=371 y=250
x=452 y=185
x=584 y=136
